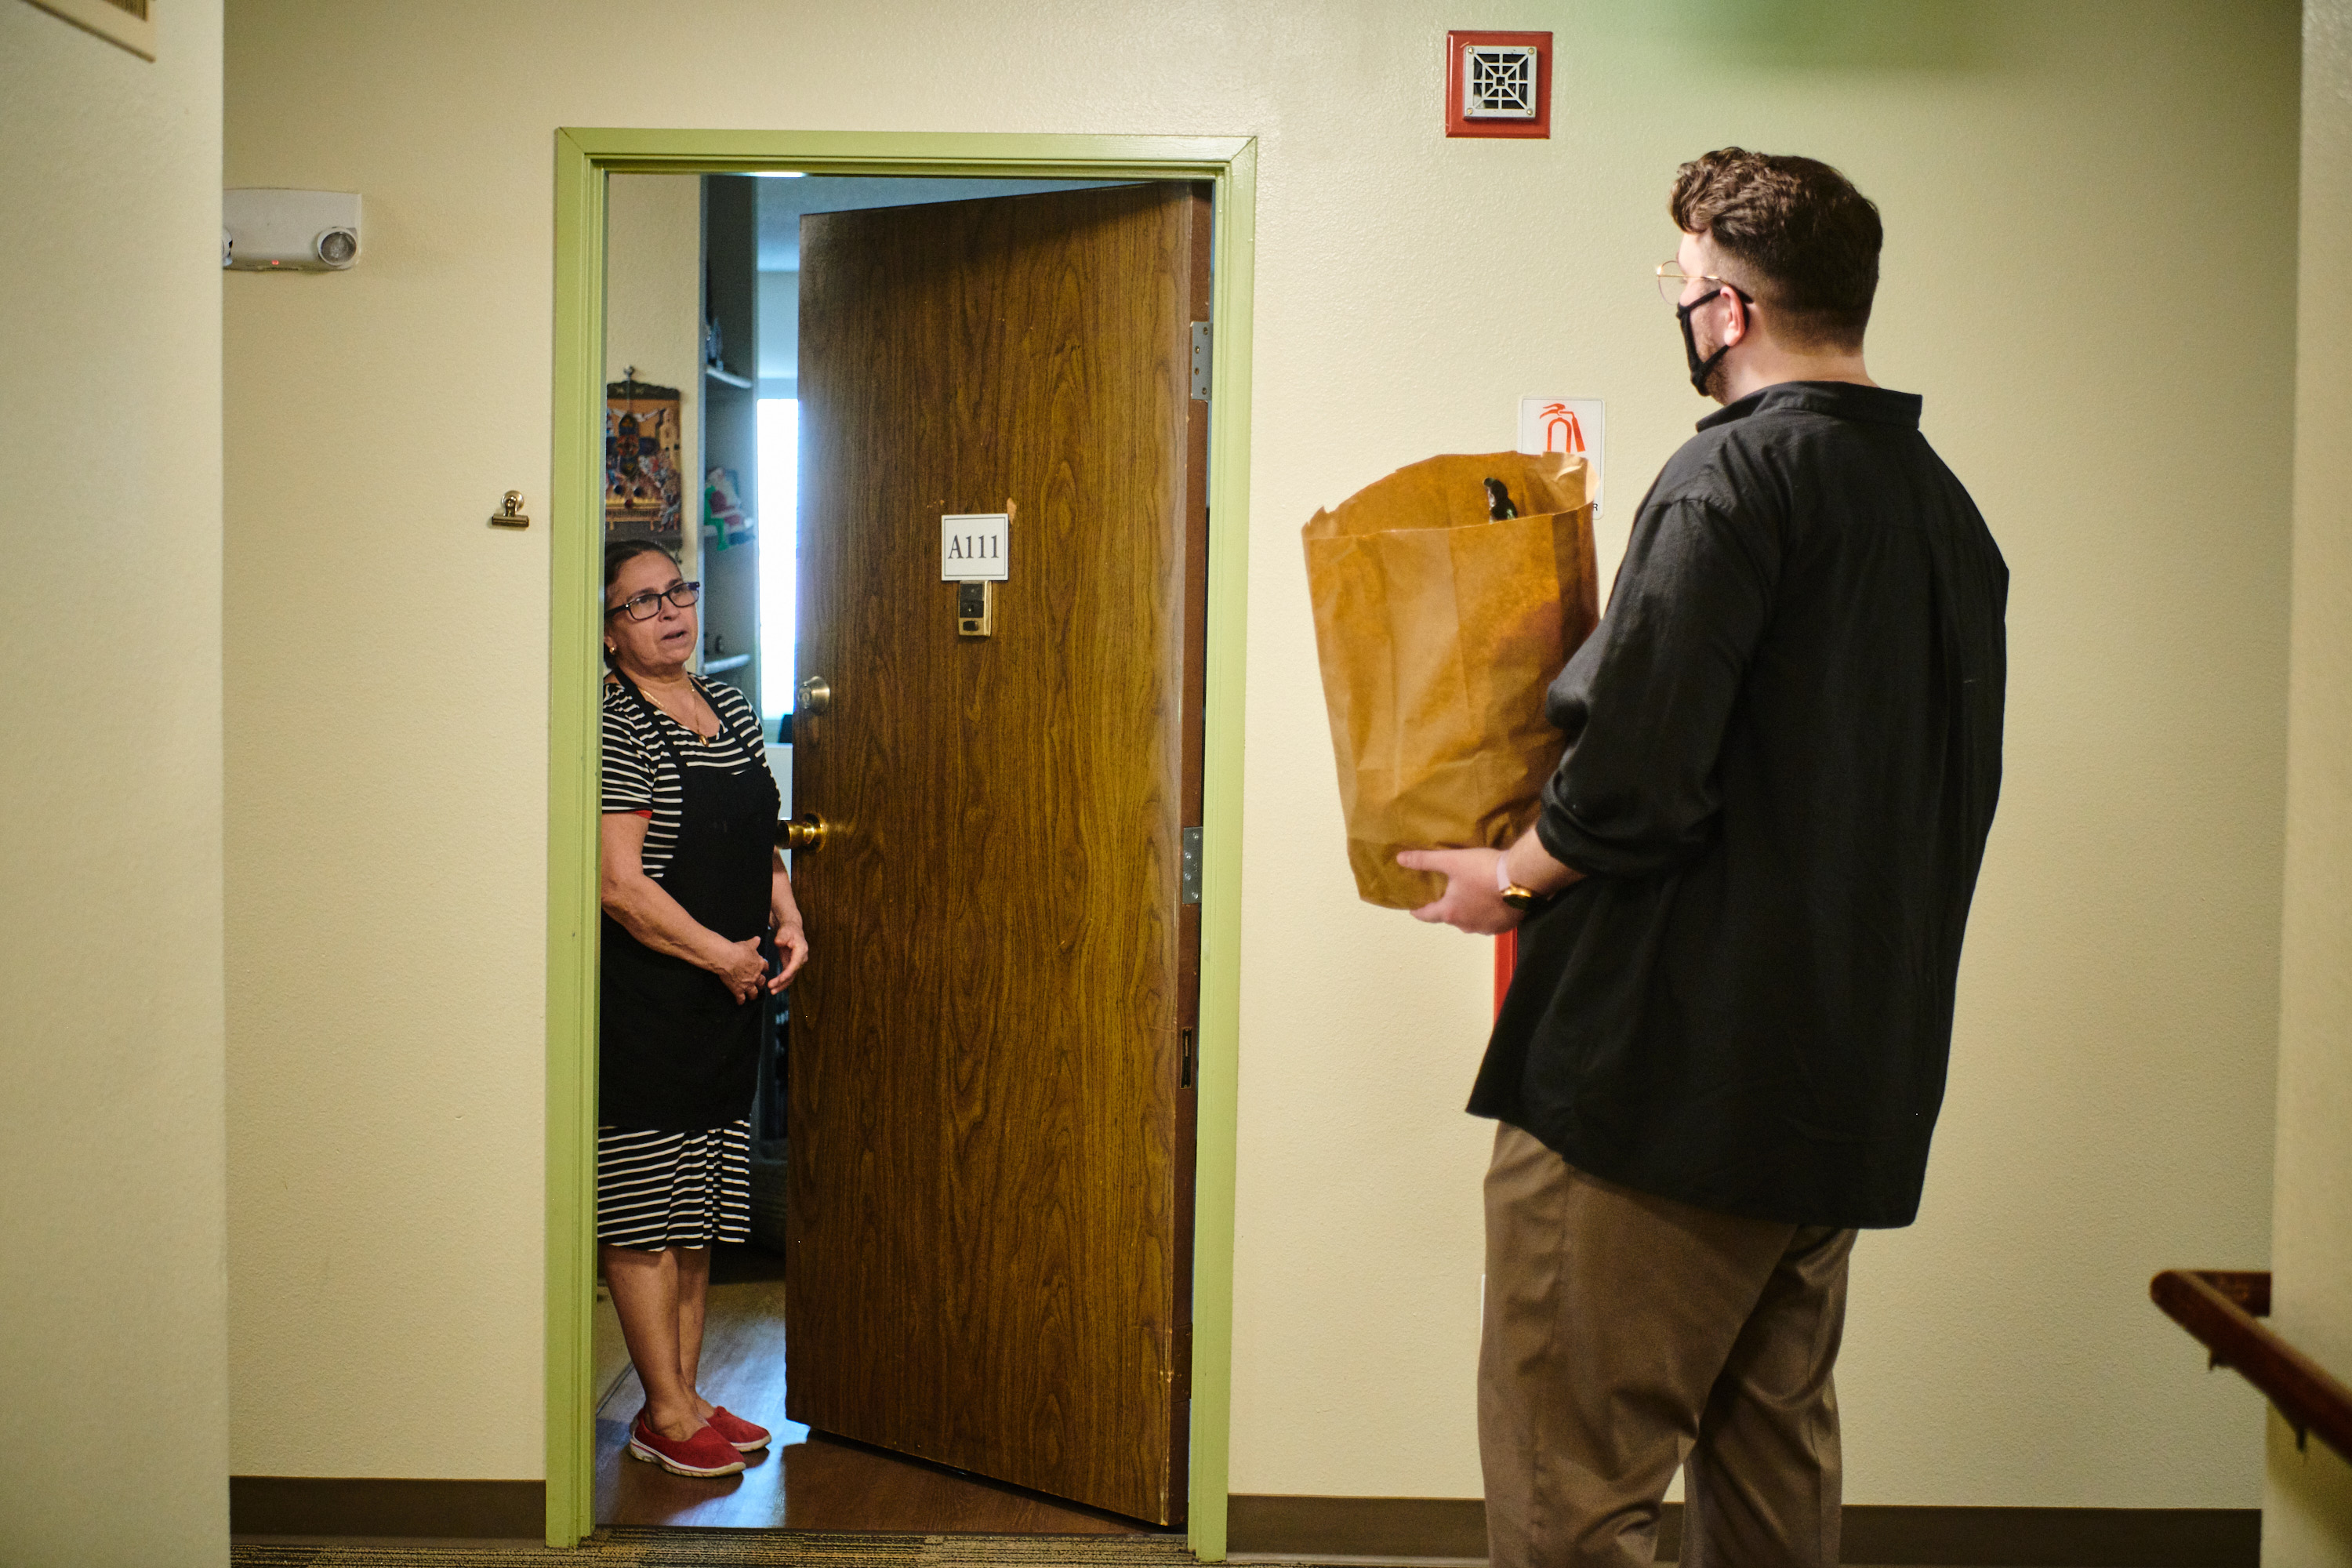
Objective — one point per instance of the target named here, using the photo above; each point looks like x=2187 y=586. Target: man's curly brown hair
x=1806 y=237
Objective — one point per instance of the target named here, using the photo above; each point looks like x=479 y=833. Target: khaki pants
x=1626 y=1334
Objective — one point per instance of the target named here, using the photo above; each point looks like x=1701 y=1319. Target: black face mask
x=1701 y=371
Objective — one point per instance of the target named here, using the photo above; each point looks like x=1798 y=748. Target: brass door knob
x=816 y=695
x=806 y=832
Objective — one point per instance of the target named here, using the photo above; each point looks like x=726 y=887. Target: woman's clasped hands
x=744 y=968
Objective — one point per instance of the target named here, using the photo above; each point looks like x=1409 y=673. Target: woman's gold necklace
x=688 y=723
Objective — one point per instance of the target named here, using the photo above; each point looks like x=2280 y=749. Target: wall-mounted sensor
x=272 y=230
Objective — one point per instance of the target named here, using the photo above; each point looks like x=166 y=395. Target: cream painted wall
x=113 y=1367
x=386 y=785
x=2306 y=1501
x=2307 y=1505
x=653 y=310
x=2089 y=275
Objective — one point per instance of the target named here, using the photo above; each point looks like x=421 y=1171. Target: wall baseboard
x=1455 y=1527
x=1392 y=1529
x=369 y=1505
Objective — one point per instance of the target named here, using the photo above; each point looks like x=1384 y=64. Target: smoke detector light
x=1498 y=84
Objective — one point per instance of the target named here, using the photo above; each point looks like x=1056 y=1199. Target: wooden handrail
x=2220 y=1306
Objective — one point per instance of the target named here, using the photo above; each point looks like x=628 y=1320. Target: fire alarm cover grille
x=1498 y=82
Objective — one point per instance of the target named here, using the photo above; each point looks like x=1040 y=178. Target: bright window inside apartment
x=780 y=479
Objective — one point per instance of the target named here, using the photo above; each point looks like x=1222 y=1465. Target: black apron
x=677 y=1052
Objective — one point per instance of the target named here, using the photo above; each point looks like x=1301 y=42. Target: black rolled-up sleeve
x=1645 y=701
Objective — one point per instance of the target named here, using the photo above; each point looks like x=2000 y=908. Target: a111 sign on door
x=1574 y=425
x=974 y=547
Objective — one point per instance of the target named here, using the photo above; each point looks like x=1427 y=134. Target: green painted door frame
x=583 y=160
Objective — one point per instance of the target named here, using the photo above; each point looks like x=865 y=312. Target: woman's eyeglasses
x=644 y=606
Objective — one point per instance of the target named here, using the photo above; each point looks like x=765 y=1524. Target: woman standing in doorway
x=691 y=886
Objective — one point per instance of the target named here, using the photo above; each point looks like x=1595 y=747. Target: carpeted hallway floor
x=623 y=1548
x=754 y=1549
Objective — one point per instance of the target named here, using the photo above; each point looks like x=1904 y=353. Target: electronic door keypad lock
x=806 y=831
x=816 y=695
x=975 y=609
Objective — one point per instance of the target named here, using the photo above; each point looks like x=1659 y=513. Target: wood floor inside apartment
x=802 y=1480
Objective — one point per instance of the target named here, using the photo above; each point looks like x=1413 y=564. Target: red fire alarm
x=1498 y=84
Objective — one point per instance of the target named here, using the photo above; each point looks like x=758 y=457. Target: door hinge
x=1188 y=867
x=1201 y=361
x=1184 y=1058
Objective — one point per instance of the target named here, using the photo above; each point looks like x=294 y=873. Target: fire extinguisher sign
x=1572 y=425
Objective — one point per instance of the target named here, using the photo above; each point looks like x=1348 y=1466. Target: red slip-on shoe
x=744 y=1434
x=704 y=1454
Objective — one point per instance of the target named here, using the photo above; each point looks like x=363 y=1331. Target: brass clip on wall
x=510 y=512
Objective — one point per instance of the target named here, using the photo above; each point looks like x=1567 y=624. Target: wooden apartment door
x=991 y=1181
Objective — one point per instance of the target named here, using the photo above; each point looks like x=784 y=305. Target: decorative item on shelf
x=644 y=491
x=717 y=660
x=725 y=520
x=714 y=359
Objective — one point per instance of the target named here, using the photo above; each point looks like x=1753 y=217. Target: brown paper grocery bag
x=1438 y=631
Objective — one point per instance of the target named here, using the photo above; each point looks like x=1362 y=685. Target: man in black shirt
x=1739 y=914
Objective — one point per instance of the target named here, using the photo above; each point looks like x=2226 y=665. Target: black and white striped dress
x=659 y=1190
